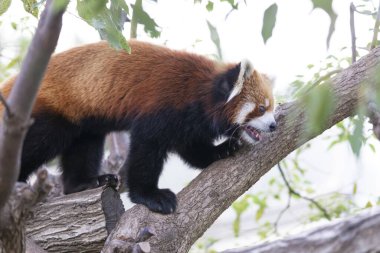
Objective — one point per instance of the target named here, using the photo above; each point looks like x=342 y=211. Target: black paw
x=160 y=200
x=227 y=148
x=110 y=180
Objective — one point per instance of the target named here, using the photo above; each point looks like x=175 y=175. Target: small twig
x=376 y=29
x=323 y=78
x=275 y=225
x=5 y=104
x=352 y=27
x=137 y=6
x=293 y=192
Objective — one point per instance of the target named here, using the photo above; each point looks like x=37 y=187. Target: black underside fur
x=188 y=132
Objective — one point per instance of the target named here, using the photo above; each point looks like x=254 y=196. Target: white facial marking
x=245 y=69
x=246 y=109
x=263 y=122
x=266 y=102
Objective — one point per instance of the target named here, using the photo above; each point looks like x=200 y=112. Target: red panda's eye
x=262 y=109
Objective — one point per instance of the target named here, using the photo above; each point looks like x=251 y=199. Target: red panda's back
x=96 y=80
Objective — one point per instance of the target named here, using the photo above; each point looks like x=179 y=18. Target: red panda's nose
x=272 y=126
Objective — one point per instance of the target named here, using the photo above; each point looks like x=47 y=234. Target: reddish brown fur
x=96 y=80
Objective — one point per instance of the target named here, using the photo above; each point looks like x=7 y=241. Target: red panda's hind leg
x=46 y=138
x=81 y=163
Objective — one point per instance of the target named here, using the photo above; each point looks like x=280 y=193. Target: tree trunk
x=78 y=222
x=214 y=190
x=356 y=234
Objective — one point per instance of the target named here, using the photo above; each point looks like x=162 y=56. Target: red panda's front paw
x=227 y=148
x=160 y=200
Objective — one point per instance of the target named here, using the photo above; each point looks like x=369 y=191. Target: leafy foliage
x=31 y=6
x=234 y=5
x=319 y=105
x=215 y=39
x=143 y=18
x=210 y=6
x=326 y=5
x=4 y=5
x=108 y=22
x=269 y=22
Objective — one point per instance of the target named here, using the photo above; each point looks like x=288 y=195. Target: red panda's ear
x=245 y=70
x=225 y=82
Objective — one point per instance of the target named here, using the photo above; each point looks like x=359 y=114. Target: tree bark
x=78 y=222
x=17 y=208
x=214 y=190
x=356 y=234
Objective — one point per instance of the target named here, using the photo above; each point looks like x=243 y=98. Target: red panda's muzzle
x=254 y=133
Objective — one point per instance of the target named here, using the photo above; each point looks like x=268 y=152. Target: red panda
x=169 y=101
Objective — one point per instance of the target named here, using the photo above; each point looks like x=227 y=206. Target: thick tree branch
x=22 y=96
x=77 y=222
x=357 y=234
x=214 y=190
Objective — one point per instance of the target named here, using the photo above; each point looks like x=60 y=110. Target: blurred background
x=339 y=169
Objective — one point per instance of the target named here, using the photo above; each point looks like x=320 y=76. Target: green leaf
x=355 y=189
x=60 y=4
x=319 y=106
x=239 y=207
x=210 y=6
x=236 y=226
x=13 y=62
x=31 y=6
x=108 y=22
x=269 y=21
x=4 y=5
x=14 y=25
x=232 y=3
x=326 y=5
x=333 y=143
x=368 y=205
x=89 y=9
x=215 y=39
x=143 y=18
x=119 y=11
x=260 y=213
x=372 y=147
x=356 y=139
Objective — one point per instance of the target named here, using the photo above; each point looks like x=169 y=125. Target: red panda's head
x=249 y=103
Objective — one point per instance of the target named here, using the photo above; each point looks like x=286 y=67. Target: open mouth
x=254 y=133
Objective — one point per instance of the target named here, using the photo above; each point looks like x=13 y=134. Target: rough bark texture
x=77 y=222
x=17 y=208
x=32 y=247
x=214 y=190
x=358 y=234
